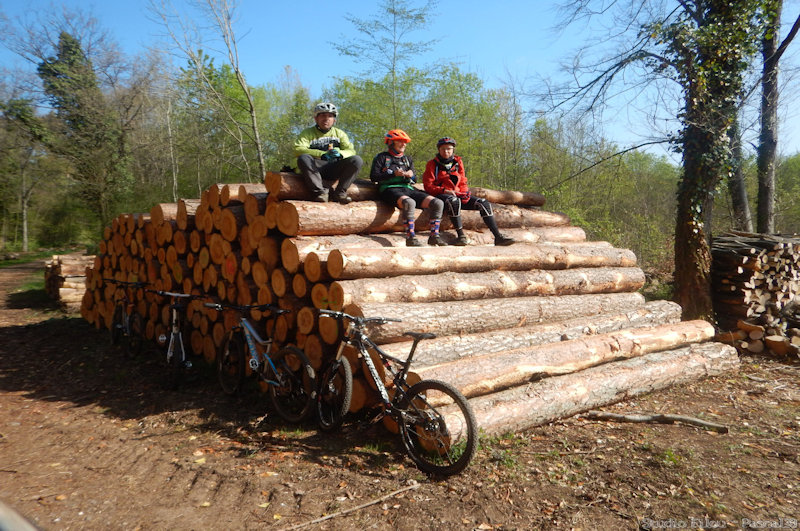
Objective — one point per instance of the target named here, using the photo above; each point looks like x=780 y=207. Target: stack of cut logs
x=552 y=305
x=65 y=278
x=756 y=282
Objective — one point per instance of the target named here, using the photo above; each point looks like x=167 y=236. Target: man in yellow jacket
x=325 y=153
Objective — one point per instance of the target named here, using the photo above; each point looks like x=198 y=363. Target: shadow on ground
x=64 y=359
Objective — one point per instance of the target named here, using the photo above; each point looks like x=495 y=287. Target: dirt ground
x=90 y=440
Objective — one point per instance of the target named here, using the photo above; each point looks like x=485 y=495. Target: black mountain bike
x=127 y=326
x=435 y=421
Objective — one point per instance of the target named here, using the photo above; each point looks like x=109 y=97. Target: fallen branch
x=657 y=418
x=357 y=508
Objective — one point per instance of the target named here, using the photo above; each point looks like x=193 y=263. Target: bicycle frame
x=252 y=338
x=355 y=336
x=175 y=323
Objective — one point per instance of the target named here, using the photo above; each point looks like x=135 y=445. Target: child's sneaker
x=436 y=240
x=412 y=241
x=504 y=240
x=461 y=241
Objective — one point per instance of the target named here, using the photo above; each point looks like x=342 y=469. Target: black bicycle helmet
x=445 y=140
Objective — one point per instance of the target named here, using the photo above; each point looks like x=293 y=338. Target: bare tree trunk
x=741 y=206
x=173 y=162
x=768 y=138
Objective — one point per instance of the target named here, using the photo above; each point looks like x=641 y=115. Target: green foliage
x=89 y=135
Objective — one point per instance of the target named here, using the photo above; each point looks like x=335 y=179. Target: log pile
x=65 y=278
x=552 y=304
x=756 y=285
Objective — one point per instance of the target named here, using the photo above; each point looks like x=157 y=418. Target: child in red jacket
x=445 y=178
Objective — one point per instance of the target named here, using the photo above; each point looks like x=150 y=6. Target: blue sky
x=492 y=39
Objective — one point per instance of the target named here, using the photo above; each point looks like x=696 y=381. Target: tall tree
x=185 y=36
x=704 y=46
x=386 y=46
x=90 y=136
x=771 y=53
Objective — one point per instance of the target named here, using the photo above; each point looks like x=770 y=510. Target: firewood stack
x=553 y=305
x=65 y=278
x=756 y=282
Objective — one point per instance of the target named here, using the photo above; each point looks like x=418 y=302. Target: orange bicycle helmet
x=396 y=134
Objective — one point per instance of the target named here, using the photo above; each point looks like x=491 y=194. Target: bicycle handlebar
x=127 y=283
x=359 y=320
x=173 y=294
x=263 y=307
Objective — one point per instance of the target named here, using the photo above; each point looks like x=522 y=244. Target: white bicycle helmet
x=325 y=107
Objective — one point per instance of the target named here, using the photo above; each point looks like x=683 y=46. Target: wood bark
x=488 y=373
x=290 y=186
x=524 y=407
x=454 y=347
x=366 y=217
x=450 y=286
x=348 y=264
x=466 y=317
x=294 y=250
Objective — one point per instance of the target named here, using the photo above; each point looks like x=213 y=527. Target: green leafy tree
x=89 y=135
x=386 y=45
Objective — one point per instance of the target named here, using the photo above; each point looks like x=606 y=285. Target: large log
x=521 y=408
x=294 y=250
x=348 y=264
x=290 y=186
x=450 y=348
x=469 y=317
x=508 y=197
x=451 y=286
x=489 y=373
x=364 y=217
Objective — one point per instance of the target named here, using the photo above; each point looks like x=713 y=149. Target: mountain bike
x=289 y=375
x=127 y=326
x=174 y=349
x=434 y=420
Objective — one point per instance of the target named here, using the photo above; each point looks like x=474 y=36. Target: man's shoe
x=461 y=241
x=436 y=240
x=504 y=240
x=322 y=197
x=412 y=241
x=343 y=198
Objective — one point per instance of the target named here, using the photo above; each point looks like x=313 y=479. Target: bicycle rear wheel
x=230 y=365
x=438 y=427
x=293 y=397
x=135 y=337
x=117 y=326
x=335 y=392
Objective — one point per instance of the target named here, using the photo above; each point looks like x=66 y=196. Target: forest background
x=89 y=132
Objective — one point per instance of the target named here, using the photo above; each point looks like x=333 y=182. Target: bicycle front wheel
x=293 y=396
x=135 y=337
x=230 y=365
x=335 y=393
x=438 y=427
x=117 y=326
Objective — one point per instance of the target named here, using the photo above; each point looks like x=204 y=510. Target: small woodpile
x=553 y=309
x=65 y=278
x=756 y=283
